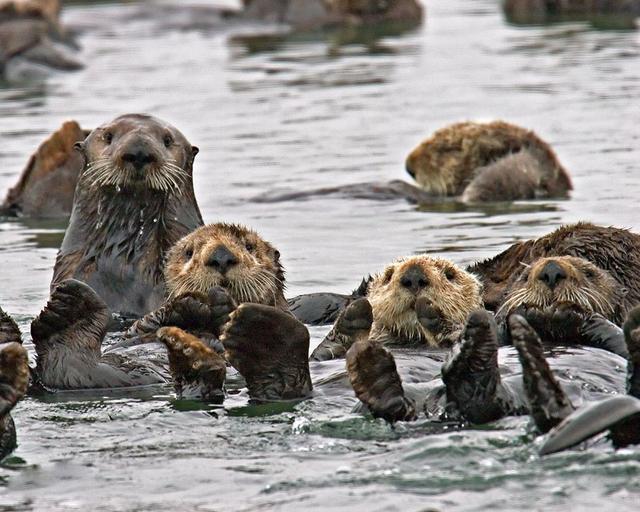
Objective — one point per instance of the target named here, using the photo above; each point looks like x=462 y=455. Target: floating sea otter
x=472 y=162
x=473 y=389
x=615 y=14
x=133 y=201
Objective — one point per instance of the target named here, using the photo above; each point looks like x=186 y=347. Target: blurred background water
x=300 y=112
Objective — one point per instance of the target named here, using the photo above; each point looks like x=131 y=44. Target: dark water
x=306 y=112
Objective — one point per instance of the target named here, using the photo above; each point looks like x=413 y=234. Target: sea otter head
x=549 y=282
x=230 y=256
x=137 y=152
x=450 y=290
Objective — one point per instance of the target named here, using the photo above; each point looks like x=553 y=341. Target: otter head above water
x=451 y=292
x=134 y=199
x=227 y=255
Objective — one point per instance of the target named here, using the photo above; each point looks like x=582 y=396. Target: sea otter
x=469 y=162
x=133 y=201
x=14 y=379
x=32 y=38
x=207 y=272
x=46 y=186
x=537 y=12
x=308 y=14
x=474 y=388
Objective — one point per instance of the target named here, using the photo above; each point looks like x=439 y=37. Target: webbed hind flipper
x=270 y=349
x=619 y=413
x=548 y=403
x=376 y=382
x=9 y=331
x=472 y=376
x=68 y=334
x=198 y=372
x=353 y=323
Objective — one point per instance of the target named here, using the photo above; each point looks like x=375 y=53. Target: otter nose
x=551 y=274
x=414 y=280
x=222 y=259
x=138 y=156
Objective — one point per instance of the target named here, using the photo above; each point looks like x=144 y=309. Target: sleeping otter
x=133 y=201
x=474 y=387
x=14 y=379
x=471 y=162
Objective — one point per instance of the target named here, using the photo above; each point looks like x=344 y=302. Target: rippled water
x=305 y=112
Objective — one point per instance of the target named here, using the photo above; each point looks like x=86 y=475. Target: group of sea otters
x=540 y=329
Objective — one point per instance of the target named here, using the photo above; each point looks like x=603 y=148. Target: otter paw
x=197 y=371
x=547 y=401
x=14 y=375
x=73 y=305
x=269 y=348
x=428 y=316
x=190 y=311
x=222 y=305
x=471 y=376
x=375 y=380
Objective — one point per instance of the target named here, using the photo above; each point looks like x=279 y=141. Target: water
x=307 y=112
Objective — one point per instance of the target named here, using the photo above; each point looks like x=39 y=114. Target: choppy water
x=305 y=112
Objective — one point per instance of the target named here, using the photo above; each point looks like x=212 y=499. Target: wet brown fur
x=258 y=276
x=456 y=156
x=614 y=250
x=451 y=290
x=585 y=285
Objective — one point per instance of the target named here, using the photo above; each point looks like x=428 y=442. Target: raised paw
x=376 y=382
x=269 y=348
x=197 y=371
x=428 y=316
x=547 y=401
x=73 y=311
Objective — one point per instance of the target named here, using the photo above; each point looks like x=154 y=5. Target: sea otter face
x=564 y=280
x=226 y=255
x=453 y=292
x=137 y=151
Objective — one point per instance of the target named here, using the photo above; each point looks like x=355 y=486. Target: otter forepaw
x=547 y=401
x=376 y=382
x=428 y=316
x=269 y=348
x=222 y=305
x=73 y=309
x=197 y=371
x=14 y=375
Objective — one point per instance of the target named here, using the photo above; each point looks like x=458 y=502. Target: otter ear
x=276 y=254
x=79 y=146
x=194 y=151
x=624 y=291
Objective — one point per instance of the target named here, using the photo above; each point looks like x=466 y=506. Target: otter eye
x=168 y=140
x=589 y=273
x=188 y=253
x=450 y=274
x=249 y=246
x=108 y=137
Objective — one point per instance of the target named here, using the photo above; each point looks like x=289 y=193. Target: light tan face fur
x=450 y=289
x=583 y=284
x=255 y=274
x=108 y=150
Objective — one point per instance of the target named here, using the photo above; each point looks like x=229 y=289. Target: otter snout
x=408 y=167
x=552 y=274
x=414 y=280
x=222 y=259
x=138 y=154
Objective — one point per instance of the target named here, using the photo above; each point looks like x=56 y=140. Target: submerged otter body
x=133 y=201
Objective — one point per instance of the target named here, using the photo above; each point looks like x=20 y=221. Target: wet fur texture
x=614 y=250
x=464 y=159
x=124 y=219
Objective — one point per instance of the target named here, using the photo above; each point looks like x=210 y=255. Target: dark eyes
x=188 y=253
x=108 y=137
x=450 y=274
x=249 y=246
x=589 y=273
x=168 y=140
